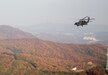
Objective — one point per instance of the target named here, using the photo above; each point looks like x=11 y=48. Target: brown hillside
x=44 y=55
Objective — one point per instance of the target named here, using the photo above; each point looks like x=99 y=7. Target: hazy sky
x=22 y=13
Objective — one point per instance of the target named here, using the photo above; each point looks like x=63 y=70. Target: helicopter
x=83 y=21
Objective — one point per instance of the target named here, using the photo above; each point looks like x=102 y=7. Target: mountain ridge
x=9 y=32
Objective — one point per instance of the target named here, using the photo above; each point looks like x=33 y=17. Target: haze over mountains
x=69 y=33
x=76 y=37
x=79 y=36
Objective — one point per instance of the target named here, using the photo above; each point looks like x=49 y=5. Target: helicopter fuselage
x=83 y=21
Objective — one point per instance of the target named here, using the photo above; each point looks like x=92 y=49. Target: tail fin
x=88 y=19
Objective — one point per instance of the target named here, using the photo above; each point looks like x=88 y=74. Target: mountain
x=61 y=37
x=31 y=55
x=102 y=36
x=34 y=56
x=8 y=32
x=76 y=37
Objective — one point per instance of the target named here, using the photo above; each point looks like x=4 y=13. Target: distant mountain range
x=69 y=33
x=23 y=53
x=78 y=38
x=8 y=32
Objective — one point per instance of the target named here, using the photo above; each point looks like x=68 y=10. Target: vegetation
x=32 y=57
x=16 y=51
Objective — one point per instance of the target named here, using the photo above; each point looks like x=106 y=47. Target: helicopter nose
x=75 y=23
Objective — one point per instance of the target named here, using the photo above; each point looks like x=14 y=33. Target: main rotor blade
x=90 y=19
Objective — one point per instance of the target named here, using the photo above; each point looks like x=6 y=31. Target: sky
x=27 y=14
